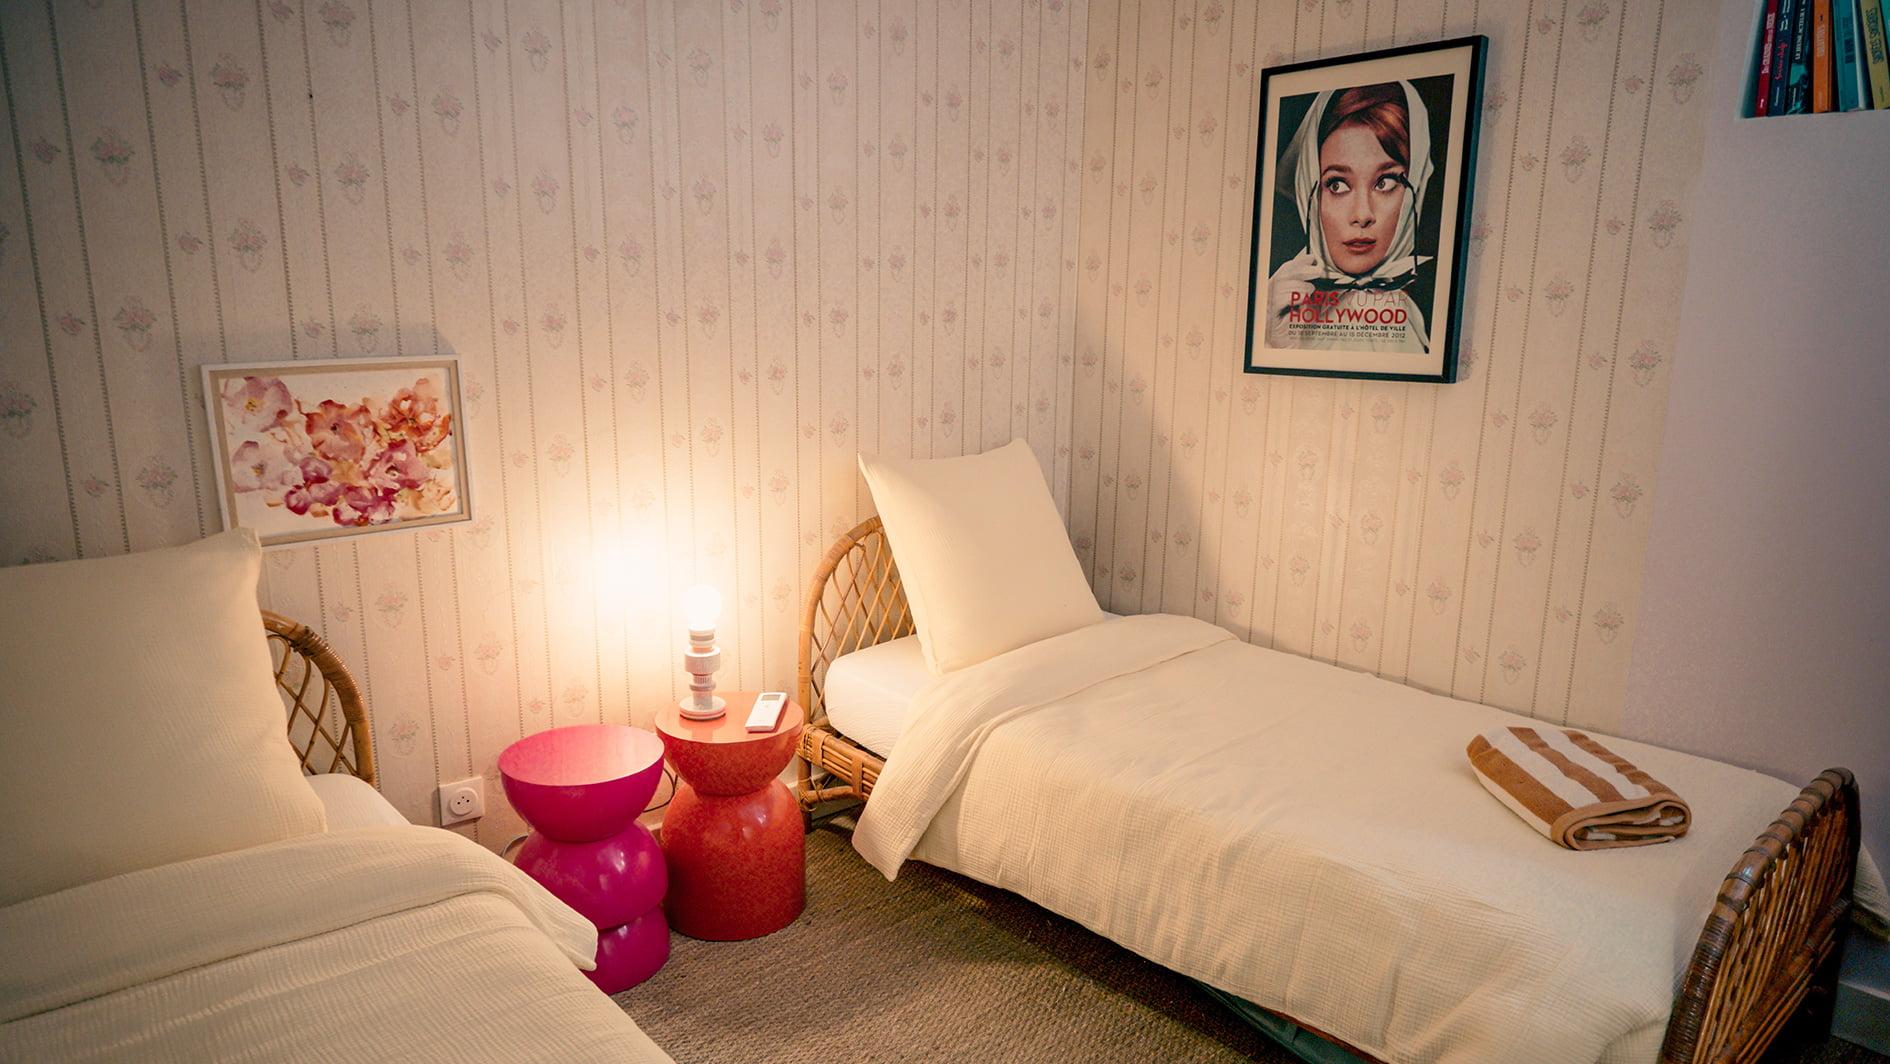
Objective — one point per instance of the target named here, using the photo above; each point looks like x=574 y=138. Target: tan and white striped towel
x=1576 y=791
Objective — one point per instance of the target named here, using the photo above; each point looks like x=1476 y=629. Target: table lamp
x=702 y=607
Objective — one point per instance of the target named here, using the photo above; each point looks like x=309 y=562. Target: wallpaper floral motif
x=1483 y=538
x=693 y=255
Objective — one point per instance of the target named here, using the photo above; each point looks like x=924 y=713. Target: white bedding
x=379 y=944
x=1310 y=839
x=351 y=803
x=868 y=692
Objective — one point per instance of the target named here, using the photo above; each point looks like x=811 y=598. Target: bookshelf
x=1816 y=57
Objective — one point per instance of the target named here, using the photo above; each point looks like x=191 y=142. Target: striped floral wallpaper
x=1483 y=538
x=693 y=255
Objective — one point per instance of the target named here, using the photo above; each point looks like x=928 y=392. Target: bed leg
x=1820 y=1006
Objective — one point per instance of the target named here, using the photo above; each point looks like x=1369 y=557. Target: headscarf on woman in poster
x=1359 y=164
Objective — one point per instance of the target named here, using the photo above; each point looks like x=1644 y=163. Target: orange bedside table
x=732 y=835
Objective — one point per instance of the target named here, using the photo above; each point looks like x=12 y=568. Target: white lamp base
x=717 y=707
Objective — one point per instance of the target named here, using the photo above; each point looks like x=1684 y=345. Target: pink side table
x=581 y=789
x=732 y=834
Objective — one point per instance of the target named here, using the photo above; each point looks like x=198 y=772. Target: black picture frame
x=1321 y=320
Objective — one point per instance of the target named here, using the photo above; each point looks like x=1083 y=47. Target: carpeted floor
x=935 y=967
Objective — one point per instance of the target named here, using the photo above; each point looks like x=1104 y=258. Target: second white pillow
x=984 y=556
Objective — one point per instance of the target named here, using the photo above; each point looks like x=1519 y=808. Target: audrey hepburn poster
x=1361 y=213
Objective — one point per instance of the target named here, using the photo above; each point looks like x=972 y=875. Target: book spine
x=1823 y=76
x=1767 y=38
x=1874 y=53
x=1798 y=84
x=1782 y=55
x=1844 y=38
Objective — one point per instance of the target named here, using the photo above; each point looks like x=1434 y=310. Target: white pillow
x=985 y=558
x=139 y=718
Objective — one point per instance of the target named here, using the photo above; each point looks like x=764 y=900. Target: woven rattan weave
x=328 y=719
x=1770 y=945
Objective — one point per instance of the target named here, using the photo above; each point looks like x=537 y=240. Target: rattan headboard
x=856 y=600
x=328 y=719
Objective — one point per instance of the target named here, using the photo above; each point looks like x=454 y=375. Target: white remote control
x=767 y=711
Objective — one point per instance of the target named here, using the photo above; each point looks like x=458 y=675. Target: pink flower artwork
x=315 y=452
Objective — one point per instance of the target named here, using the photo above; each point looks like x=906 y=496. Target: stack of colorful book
x=1820 y=55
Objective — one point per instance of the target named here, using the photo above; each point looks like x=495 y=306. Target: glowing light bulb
x=702 y=607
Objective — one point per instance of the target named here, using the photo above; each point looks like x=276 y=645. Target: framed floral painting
x=319 y=450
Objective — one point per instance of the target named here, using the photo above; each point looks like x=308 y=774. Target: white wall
x=1765 y=628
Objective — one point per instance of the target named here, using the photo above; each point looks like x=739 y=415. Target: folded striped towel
x=1576 y=791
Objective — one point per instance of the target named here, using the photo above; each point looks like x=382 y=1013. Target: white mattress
x=869 y=691
x=351 y=803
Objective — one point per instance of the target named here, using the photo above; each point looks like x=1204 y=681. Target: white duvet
x=1310 y=839
x=383 y=944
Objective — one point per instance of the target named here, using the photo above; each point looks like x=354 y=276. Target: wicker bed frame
x=1770 y=944
x=328 y=720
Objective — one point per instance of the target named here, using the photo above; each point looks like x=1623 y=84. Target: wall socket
x=462 y=800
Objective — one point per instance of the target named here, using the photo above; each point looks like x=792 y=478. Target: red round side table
x=581 y=789
x=732 y=834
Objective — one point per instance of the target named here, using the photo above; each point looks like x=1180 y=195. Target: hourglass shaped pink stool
x=581 y=789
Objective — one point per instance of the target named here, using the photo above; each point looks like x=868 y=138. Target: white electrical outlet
x=461 y=801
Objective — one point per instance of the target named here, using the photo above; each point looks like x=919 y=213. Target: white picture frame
x=326 y=449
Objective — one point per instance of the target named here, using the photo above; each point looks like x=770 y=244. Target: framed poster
x=1362 y=213
x=326 y=449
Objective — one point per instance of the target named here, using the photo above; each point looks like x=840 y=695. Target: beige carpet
x=935 y=967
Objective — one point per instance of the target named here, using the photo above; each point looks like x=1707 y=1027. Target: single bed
x=1341 y=868
x=374 y=940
